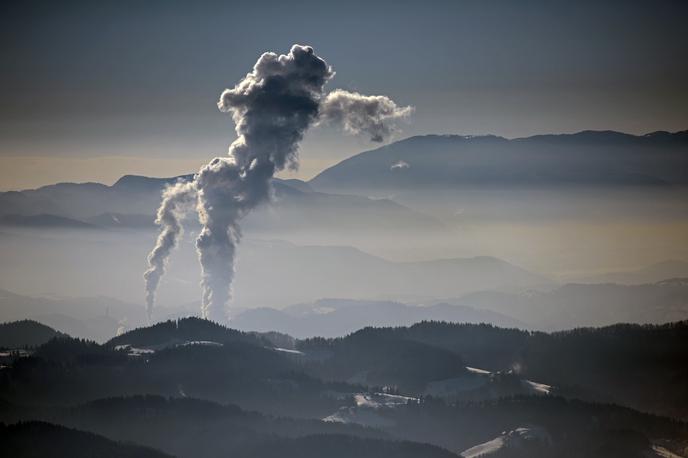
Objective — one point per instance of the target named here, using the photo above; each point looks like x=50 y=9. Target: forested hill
x=643 y=366
x=25 y=333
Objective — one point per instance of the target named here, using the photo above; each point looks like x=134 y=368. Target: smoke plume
x=373 y=115
x=272 y=108
x=175 y=201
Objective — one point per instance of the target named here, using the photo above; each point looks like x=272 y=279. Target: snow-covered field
x=369 y=409
x=486 y=448
x=538 y=388
x=475 y=370
x=476 y=378
x=133 y=351
x=137 y=352
x=286 y=350
x=661 y=452
x=516 y=438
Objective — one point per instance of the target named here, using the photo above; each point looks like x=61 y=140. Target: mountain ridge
x=488 y=160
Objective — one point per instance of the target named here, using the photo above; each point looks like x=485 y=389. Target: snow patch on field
x=476 y=378
x=475 y=370
x=377 y=400
x=661 y=452
x=486 y=448
x=207 y=343
x=134 y=351
x=287 y=350
x=538 y=388
x=517 y=438
x=138 y=352
x=365 y=417
x=369 y=409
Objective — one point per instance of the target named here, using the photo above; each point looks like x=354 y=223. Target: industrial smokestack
x=272 y=107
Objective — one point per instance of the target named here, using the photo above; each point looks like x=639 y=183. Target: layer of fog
x=94 y=277
x=557 y=236
x=104 y=263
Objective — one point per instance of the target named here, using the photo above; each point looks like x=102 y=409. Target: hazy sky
x=91 y=90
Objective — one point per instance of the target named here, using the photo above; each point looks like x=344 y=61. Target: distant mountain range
x=673 y=268
x=430 y=163
x=350 y=273
x=339 y=317
x=589 y=158
x=96 y=318
x=324 y=265
x=553 y=308
x=110 y=263
x=322 y=272
x=575 y=305
x=132 y=202
x=44 y=221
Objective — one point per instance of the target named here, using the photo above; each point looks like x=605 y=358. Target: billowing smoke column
x=272 y=107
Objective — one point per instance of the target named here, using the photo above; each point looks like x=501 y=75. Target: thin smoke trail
x=175 y=201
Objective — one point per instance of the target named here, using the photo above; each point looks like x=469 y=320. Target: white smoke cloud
x=121 y=327
x=272 y=107
x=374 y=115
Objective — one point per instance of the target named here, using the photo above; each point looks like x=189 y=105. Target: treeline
x=191 y=428
x=249 y=375
x=642 y=366
x=25 y=334
x=379 y=359
x=245 y=398
x=571 y=424
x=184 y=330
x=36 y=439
